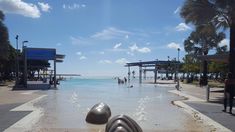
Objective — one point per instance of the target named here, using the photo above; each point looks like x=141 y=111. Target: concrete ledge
x=196 y=114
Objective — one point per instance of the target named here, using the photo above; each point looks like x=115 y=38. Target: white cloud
x=79 y=53
x=44 y=6
x=134 y=47
x=177 y=10
x=173 y=45
x=83 y=58
x=73 y=6
x=20 y=7
x=144 y=50
x=182 y=27
x=121 y=61
x=224 y=42
x=110 y=33
x=105 y=61
x=117 y=45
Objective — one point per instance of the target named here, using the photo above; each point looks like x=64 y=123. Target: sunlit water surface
x=148 y=104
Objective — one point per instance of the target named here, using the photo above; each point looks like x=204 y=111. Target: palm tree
x=220 y=13
x=200 y=41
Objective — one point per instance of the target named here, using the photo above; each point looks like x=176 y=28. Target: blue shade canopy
x=40 y=54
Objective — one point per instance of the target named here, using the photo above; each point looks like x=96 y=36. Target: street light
x=167 y=68
x=24 y=43
x=178 y=80
x=17 y=60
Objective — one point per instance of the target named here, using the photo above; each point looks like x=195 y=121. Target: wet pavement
x=11 y=99
x=65 y=109
x=8 y=117
x=149 y=105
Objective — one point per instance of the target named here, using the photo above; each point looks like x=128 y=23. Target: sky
x=99 y=37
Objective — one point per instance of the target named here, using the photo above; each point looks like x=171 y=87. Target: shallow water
x=149 y=105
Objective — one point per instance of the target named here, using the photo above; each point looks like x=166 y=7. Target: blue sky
x=99 y=36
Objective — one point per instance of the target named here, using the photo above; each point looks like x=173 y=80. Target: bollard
x=207 y=93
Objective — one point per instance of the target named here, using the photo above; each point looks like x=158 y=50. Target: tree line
x=7 y=52
x=210 y=19
x=8 y=56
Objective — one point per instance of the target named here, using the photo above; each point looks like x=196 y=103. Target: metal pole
x=17 y=61
x=178 y=80
x=129 y=74
x=167 y=68
x=155 y=74
x=55 y=73
x=140 y=74
x=25 y=66
x=23 y=44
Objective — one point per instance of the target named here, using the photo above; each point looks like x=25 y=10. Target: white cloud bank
x=182 y=27
x=20 y=7
x=73 y=6
x=134 y=48
x=44 y=6
x=117 y=45
x=224 y=42
x=110 y=33
x=173 y=45
x=122 y=61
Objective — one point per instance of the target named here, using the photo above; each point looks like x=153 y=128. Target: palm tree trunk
x=232 y=49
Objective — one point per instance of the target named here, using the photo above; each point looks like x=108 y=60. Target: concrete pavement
x=211 y=109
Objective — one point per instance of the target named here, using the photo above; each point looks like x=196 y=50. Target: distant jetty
x=68 y=75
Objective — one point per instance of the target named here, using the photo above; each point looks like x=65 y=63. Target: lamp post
x=167 y=68
x=25 y=63
x=24 y=43
x=178 y=80
x=17 y=61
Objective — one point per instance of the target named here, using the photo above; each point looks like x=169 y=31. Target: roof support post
x=144 y=74
x=55 y=73
x=129 y=74
x=140 y=73
x=155 y=74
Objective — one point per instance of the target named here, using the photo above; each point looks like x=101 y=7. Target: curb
x=196 y=114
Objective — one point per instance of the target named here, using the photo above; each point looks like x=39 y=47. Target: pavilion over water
x=38 y=56
x=155 y=66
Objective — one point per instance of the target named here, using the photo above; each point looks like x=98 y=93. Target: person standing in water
x=125 y=80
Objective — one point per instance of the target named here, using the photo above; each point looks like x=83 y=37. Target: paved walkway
x=211 y=109
x=10 y=99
